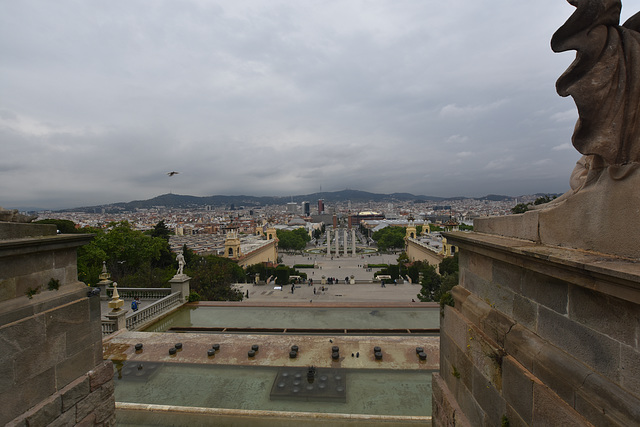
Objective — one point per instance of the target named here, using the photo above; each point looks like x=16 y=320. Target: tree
x=390 y=238
x=212 y=277
x=132 y=257
x=64 y=225
x=293 y=240
x=449 y=265
x=520 y=208
x=544 y=199
x=431 y=283
x=161 y=230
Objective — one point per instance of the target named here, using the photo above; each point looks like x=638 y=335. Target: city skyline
x=101 y=101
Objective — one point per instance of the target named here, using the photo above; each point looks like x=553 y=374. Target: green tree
x=64 y=225
x=293 y=240
x=520 y=208
x=389 y=238
x=161 y=230
x=449 y=265
x=131 y=256
x=212 y=278
x=431 y=283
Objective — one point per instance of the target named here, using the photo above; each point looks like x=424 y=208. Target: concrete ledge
x=162 y=412
x=608 y=274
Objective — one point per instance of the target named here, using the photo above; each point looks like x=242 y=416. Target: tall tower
x=232 y=245
x=320 y=206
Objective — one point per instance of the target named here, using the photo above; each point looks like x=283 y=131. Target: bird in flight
x=172 y=173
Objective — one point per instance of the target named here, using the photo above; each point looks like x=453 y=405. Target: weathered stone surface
x=489 y=399
x=585 y=220
x=75 y=366
x=607 y=398
x=594 y=349
x=74 y=392
x=88 y=405
x=455 y=326
x=88 y=421
x=446 y=412
x=610 y=316
x=525 y=312
x=523 y=345
x=480 y=265
x=523 y=226
x=514 y=419
x=25 y=395
x=21 y=335
x=45 y=412
x=550 y=410
x=496 y=325
x=102 y=374
x=547 y=291
x=37 y=359
x=66 y=419
x=14 y=230
x=630 y=370
x=517 y=386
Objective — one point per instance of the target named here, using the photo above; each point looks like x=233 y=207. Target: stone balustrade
x=137 y=318
x=142 y=293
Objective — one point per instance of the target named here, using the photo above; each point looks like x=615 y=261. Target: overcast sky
x=99 y=99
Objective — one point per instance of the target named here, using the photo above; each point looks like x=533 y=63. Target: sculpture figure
x=181 y=263
x=604 y=81
x=14 y=216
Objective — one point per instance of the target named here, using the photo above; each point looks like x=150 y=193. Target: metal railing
x=137 y=318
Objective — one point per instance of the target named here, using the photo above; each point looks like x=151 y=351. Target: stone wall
x=539 y=335
x=51 y=367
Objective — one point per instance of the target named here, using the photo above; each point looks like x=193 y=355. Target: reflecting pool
x=300 y=318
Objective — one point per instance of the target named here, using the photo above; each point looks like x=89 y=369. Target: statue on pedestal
x=181 y=264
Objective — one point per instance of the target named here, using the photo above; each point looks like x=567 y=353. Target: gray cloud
x=100 y=99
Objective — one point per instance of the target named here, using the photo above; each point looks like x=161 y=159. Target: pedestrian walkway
x=340 y=268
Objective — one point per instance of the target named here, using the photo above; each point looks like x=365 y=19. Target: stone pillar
x=328 y=242
x=353 y=242
x=345 y=242
x=180 y=283
x=120 y=316
x=104 y=282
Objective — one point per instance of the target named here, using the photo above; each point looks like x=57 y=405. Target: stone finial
x=116 y=303
x=104 y=275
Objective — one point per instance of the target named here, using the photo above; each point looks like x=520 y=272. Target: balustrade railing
x=108 y=327
x=142 y=293
x=137 y=318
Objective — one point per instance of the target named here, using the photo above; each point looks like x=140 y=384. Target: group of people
x=335 y=281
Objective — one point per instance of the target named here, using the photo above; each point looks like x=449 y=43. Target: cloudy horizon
x=101 y=99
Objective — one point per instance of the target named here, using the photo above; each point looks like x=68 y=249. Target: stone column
x=328 y=242
x=345 y=242
x=180 y=283
x=353 y=242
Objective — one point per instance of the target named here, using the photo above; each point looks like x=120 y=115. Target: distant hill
x=186 y=201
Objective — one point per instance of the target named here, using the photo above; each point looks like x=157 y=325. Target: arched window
x=230 y=251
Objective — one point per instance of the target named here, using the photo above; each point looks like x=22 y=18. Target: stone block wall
x=51 y=367
x=539 y=336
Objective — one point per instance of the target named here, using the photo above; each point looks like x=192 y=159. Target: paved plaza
x=338 y=267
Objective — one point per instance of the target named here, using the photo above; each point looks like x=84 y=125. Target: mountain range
x=184 y=201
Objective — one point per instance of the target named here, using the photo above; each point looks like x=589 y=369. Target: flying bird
x=172 y=173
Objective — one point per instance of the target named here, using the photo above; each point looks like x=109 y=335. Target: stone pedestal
x=120 y=318
x=180 y=283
